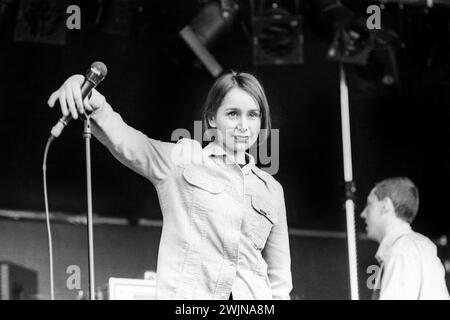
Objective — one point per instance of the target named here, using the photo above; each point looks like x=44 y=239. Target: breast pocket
x=206 y=189
x=262 y=217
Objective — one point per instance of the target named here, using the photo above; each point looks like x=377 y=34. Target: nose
x=363 y=214
x=242 y=124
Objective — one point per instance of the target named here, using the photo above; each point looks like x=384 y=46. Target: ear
x=212 y=122
x=388 y=206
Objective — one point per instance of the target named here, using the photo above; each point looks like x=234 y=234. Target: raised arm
x=150 y=158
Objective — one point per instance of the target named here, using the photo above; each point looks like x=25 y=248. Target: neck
x=238 y=157
x=393 y=224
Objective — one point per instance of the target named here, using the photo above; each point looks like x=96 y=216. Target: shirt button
x=232 y=264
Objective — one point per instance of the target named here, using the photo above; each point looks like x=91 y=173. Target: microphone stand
x=87 y=134
x=93 y=77
x=349 y=184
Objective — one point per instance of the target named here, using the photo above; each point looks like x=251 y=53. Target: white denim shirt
x=410 y=267
x=224 y=227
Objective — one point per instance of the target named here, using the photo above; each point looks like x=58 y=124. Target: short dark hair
x=403 y=194
x=244 y=81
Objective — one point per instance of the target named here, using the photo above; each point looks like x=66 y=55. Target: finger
x=62 y=103
x=53 y=97
x=71 y=104
x=78 y=100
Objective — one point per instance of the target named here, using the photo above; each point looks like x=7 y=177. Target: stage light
x=372 y=51
x=277 y=33
x=352 y=44
x=214 y=19
x=41 y=21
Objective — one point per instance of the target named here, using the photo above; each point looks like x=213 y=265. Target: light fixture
x=41 y=21
x=277 y=33
x=214 y=19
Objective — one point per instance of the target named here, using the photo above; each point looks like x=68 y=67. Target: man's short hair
x=403 y=194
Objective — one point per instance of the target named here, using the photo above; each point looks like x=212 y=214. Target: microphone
x=93 y=77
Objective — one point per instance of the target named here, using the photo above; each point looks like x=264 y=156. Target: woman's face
x=238 y=122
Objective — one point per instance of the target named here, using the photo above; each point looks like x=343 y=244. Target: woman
x=225 y=231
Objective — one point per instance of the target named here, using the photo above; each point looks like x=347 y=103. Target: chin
x=371 y=236
x=241 y=147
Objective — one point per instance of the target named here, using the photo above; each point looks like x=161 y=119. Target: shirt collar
x=214 y=149
x=393 y=234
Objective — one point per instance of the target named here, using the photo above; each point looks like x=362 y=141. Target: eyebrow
x=233 y=108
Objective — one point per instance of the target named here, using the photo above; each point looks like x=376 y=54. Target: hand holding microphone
x=73 y=96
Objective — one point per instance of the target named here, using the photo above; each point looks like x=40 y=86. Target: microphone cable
x=47 y=217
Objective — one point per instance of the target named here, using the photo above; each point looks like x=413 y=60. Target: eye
x=232 y=114
x=254 y=114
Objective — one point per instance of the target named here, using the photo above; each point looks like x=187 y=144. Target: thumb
x=96 y=100
x=87 y=105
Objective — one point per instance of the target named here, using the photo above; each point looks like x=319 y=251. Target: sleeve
x=150 y=158
x=401 y=277
x=277 y=255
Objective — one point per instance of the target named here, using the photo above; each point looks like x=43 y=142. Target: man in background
x=410 y=268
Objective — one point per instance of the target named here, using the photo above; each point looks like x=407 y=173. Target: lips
x=241 y=138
